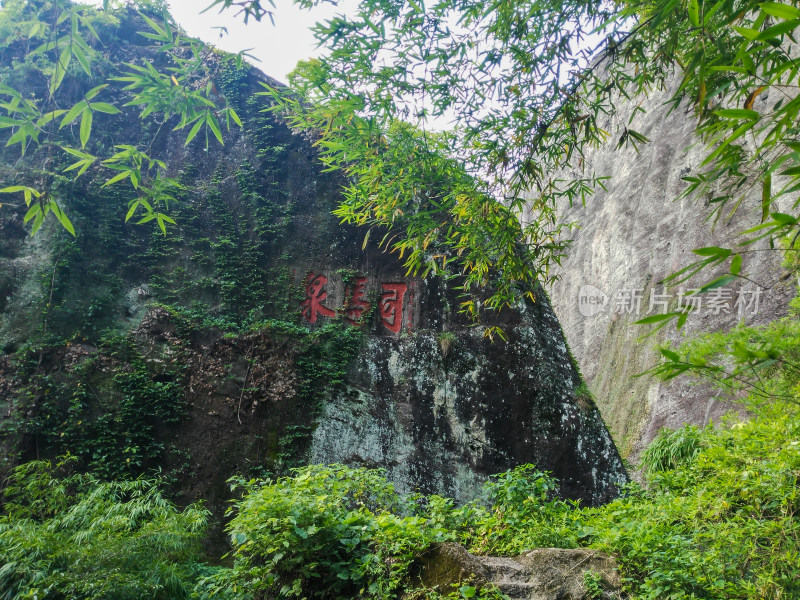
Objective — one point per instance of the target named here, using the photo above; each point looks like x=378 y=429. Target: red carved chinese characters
x=315 y=296
x=391 y=305
x=358 y=304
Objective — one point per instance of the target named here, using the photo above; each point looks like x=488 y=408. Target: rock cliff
x=258 y=333
x=630 y=238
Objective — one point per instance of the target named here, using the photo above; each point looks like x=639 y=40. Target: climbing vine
x=113 y=423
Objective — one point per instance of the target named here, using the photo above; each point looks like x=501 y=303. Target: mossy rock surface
x=275 y=333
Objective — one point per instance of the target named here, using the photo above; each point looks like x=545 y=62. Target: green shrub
x=523 y=512
x=460 y=591
x=328 y=531
x=80 y=538
x=672 y=448
x=593 y=584
x=722 y=525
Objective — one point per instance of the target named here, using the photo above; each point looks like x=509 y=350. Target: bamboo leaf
x=49 y=116
x=60 y=69
x=161 y=225
x=32 y=212
x=736 y=264
x=694 y=13
x=86 y=125
x=118 y=177
x=235 y=117
x=782 y=11
x=132 y=210
x=746 y=32
x=62 y=217
x=78 y=153
x=717 y=283
x=194 y=130
x=105 y=107
x=211 y=120
x=655 y=319
x=673 y=356
x=83 y=61
x=778 y=30
x=17 y=188
x=73 y=113
x=37 y=223
x=738 y=113
x=155 y=27
x=783 y=219
x=713 y=251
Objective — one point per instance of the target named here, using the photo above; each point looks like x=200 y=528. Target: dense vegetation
x=74 y=536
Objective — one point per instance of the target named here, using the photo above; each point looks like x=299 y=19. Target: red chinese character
x=357 y=305
x=391 y=307
x=312 y=305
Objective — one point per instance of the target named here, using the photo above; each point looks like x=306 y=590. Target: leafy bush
x=460 y=591
x=521 y=511
x=524 y=512
x=80 y=538
x=762 y=362
x=332 y=531
x=720 y=526
x=329 y=531
x=672 y=448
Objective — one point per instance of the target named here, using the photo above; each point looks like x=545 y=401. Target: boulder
x=538 y=574
x=272 y=335
x=447 y=564
x=567 y=574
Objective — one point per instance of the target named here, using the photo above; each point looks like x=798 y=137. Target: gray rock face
x=442 y=408
x=629 y=239
x=539 y=574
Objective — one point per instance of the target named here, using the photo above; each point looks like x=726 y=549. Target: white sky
x=278 y=47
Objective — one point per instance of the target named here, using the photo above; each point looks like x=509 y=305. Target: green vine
x=113 y=423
